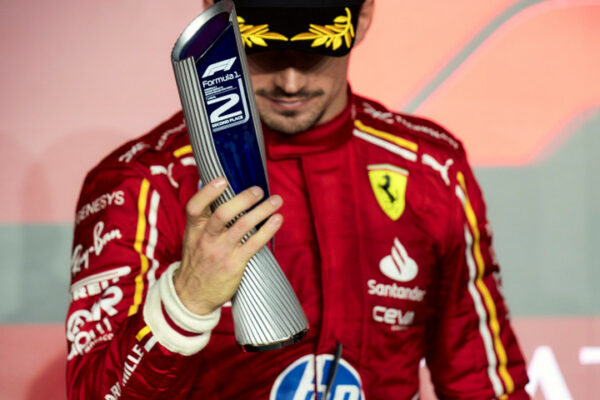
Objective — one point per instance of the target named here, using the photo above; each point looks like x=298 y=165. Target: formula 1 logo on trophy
x=225 y=133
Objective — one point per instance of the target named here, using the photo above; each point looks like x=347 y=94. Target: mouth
x=287 y=104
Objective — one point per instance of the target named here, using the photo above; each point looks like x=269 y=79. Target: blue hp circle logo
x=299 y=381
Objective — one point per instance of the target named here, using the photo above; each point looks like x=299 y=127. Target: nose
x=290 y=80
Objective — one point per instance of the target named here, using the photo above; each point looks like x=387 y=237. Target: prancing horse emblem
x=389 y=186
x=386 y=188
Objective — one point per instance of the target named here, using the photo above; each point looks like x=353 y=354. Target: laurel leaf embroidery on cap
x=257 y=35
x=332 y=36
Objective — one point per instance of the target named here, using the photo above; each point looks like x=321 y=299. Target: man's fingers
x=234 y=207
x=261 y=237
x=252 y=218
x=198 y=206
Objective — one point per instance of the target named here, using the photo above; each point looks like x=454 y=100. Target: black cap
x=319 y=26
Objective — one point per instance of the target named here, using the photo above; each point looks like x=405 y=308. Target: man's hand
x=213 y=258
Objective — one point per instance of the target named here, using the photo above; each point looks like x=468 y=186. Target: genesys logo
x=100 y=203
x=309 y=374
x=399 y=266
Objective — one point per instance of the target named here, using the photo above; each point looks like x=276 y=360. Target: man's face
x=296 y=90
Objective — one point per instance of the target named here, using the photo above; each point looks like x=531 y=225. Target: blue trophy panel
x=227 y=105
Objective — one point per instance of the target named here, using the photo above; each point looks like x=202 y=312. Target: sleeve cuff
x=173 y=325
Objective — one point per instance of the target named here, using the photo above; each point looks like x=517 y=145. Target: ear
x=364 y=20
x=207 y=3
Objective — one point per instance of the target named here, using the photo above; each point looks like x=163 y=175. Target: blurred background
x=517 y=81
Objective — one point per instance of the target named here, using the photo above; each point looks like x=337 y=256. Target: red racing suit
x=385 y=241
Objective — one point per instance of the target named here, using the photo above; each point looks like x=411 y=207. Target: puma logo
x=436 y=166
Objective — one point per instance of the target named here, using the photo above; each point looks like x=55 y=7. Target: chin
x=288 y=126
x=291 y=123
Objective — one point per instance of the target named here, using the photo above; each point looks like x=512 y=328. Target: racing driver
x=377 y=220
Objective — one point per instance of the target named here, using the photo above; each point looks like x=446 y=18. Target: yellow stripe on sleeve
x=142 y=333
x=489 y=302
x=387 y=136
x=139 y=240
x=182 y=151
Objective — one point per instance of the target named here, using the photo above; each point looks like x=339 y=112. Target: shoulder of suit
x=167 y=142
x=413 y=132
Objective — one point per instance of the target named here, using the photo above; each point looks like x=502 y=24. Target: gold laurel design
x=334 y=35
x=257 y=35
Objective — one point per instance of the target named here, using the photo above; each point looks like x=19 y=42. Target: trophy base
x=255 y=348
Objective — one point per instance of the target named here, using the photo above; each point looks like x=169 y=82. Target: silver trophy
x=224 y=129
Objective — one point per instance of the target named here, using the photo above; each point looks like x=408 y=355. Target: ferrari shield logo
x=389 y=186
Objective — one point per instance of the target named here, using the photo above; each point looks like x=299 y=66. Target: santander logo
x=398 y=265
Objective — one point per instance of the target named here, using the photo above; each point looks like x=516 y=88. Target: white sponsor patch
x=94 y=284
x=397 y=319
x=394 y=291
x=81 y=256
x=188 y=161
x=385 y=116
x=428 y=160
x=399 y=266
x=100 y=203
x=136 y=148
x=131 y=362
x=86 y=328
x=162 y=170
x=166 y=134
x=390 y=118
x=115 y=392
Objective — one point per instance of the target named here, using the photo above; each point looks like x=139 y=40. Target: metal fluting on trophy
x=264 y=277
x=220 y=113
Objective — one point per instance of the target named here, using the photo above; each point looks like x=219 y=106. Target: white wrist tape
x=163 y=294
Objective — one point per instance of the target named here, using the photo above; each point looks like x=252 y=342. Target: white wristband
x=163 y=294
x=183 y=317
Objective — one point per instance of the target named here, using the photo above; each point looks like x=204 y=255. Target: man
x=385 y=242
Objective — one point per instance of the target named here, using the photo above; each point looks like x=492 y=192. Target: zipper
x=333 y=370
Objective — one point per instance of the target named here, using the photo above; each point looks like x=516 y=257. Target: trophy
x=224 y=129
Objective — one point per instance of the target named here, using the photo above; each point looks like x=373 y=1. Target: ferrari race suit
x=385 y=241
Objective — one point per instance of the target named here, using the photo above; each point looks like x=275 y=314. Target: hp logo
x=300 y=382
